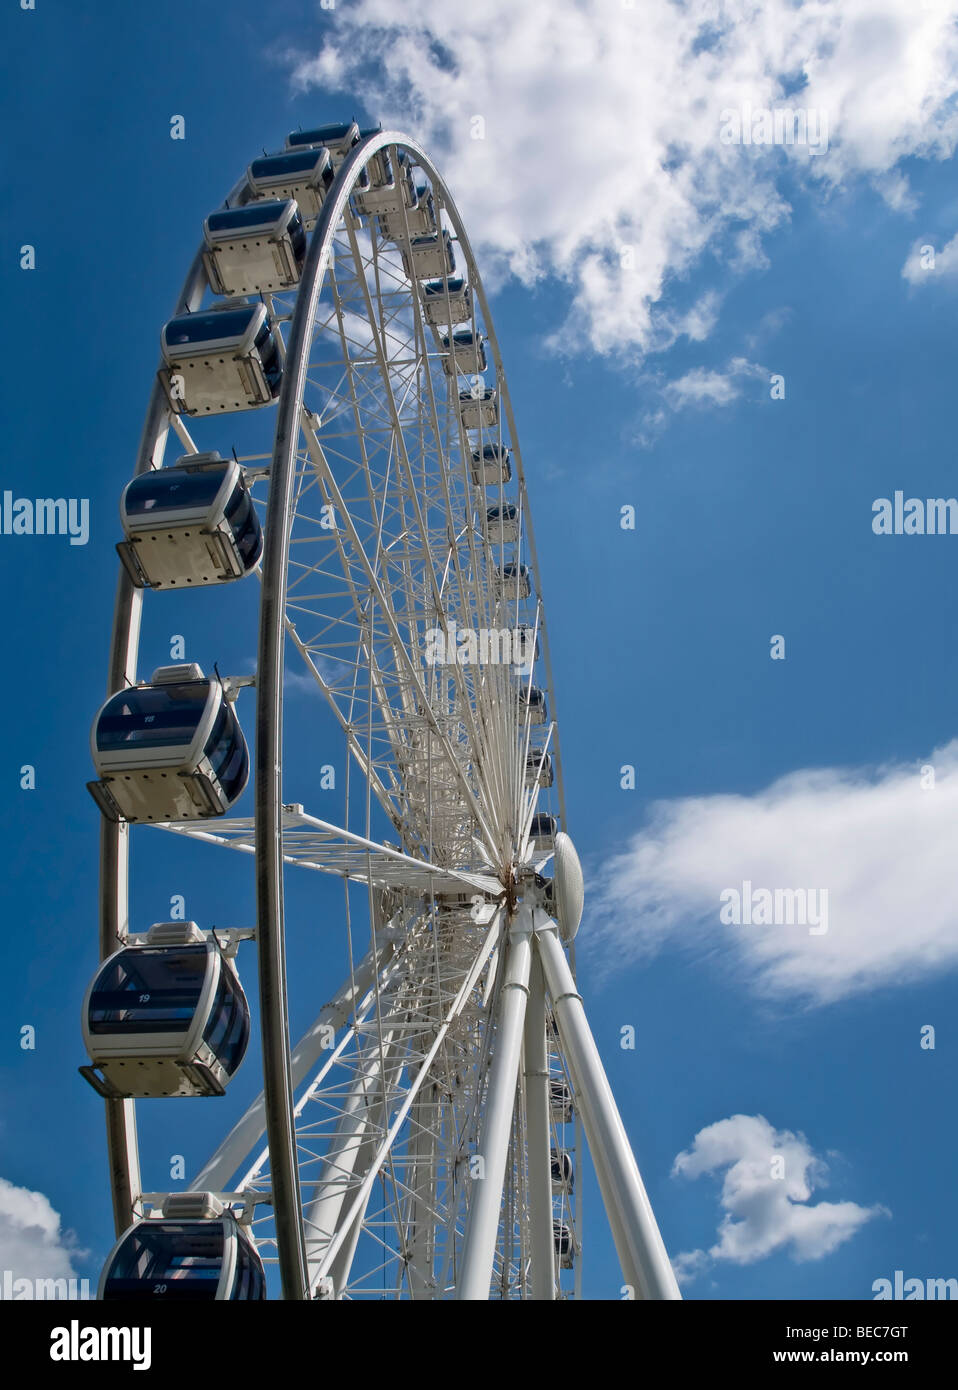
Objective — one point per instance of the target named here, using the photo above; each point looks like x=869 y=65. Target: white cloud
x=768 y=326
x=602 y=127
x=880 y=844
x=926 y=262
x=896 y=191
x=764 y=1213
x=700 y=386
x=32 y=1243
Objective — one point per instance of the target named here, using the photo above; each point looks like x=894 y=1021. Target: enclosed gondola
x=546 y=887
x=304 y=174
x=417 y=221
x=490 y=466
x=512 y=581
x=533 y=699
x=560 y=1102
x=377 y=171
x=526 y=640
x=165 y=1017
x=464 y=354
x=565 y=1250
x=189 y=525
x=446 y=301
x=170 y=749
x=428 y=257
x=542 y=832
x=338 y=138
x=223 y=359
x=479 y=409
x=255 y=248
x=453 y=901
x=539 y=769
x=502 y=523
x=563 y=1173
x=525 y=648
x=163 y=1260
x=389 y=194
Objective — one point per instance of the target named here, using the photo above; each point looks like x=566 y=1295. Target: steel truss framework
x=406 y=1145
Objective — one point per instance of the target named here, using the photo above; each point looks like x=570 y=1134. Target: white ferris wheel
x=422 y=1139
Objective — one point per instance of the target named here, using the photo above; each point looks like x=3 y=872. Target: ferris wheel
x=422 y=1139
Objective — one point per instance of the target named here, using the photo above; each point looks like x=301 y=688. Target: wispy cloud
x=768 y=326
x=768 y=1179
x=700 y=388
x=880 y=841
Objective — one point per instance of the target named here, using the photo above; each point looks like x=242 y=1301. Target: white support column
x=642 y=1253
x=541 y=1238
x=482 y=1226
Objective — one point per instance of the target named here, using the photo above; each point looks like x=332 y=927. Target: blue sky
x=753 y=519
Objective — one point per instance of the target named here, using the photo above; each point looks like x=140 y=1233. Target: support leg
x=542 y=1242
x=645 y=1263
x=479 y=1245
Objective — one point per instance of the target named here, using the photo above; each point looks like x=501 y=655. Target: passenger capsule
x=304 y=174
x=526 y=639
x=170 y=749
x=546 y=887
x=254 y=248
x=563 y=1174
x=446 y=301
x=167 y=1017
x=533 y=699
x=539 y=769
x=512 y=581
x=429 y=257
x=481 y=411
x=451 y=901
x=339 y=139
x=189 y=525
x=542 y=833
x=223 y=359
x=464 y=354
x=417 y=221
x=163 y=1260
x=491 y=465
x=377 y=171
x=389 y=194
x=565 y=1252
x=560 y=1102
x=502 y=523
